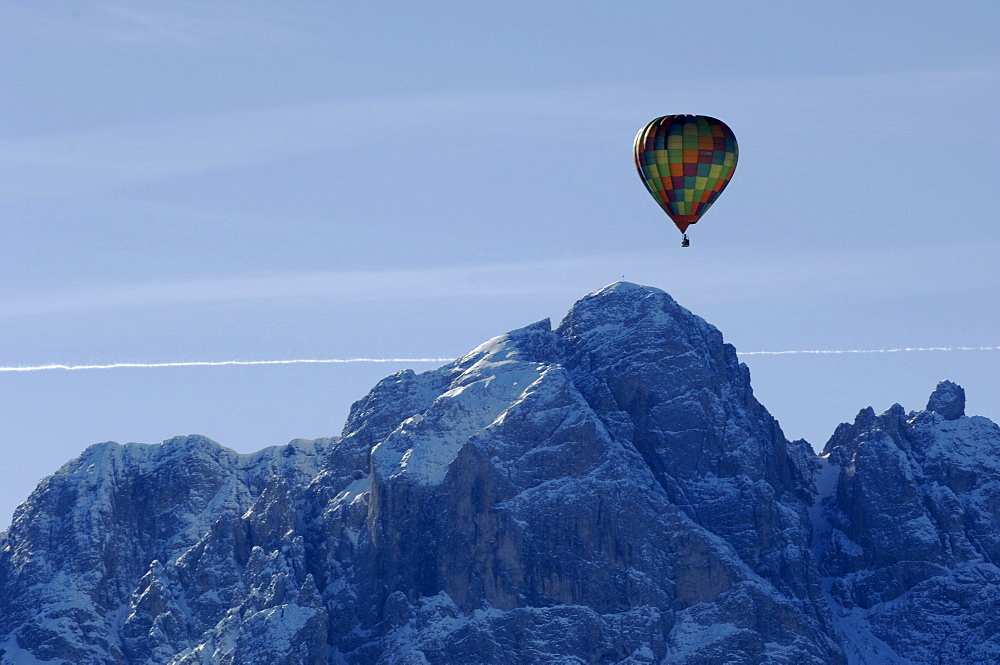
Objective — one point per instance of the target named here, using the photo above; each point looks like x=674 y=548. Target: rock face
x=913 y=532
x=605 y=492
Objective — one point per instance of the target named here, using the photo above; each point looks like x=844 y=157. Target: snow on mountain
x=608 y=491
x=912 y=556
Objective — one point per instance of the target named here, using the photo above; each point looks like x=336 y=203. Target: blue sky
x=187 y=181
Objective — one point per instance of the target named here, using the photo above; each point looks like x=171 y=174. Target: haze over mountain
x=606 y=491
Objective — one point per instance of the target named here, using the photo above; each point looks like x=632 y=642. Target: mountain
x=910 y=532
x=608 y=491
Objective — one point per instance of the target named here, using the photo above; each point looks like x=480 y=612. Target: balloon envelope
x=685 y=162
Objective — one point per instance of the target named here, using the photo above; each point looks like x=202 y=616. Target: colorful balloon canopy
x=685 y=162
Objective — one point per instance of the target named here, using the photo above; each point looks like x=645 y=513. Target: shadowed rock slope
x=609 y=491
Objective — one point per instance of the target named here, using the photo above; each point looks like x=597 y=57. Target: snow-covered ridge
x=484 y=385
x=916 y=523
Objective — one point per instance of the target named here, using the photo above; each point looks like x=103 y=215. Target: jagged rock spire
x=948 y=399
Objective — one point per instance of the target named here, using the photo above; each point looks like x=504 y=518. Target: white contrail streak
x=334 y=361
x=907 y=349
x=221 y=363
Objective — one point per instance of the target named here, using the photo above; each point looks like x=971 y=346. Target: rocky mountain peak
x=626 y=321
x=607 y=491
x=948 y=399
x=911 y=519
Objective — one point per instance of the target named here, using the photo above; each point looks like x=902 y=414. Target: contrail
x=221 y=363
x=334 y=361
x=906 y=349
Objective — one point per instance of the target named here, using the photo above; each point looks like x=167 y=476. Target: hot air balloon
x=685 y=161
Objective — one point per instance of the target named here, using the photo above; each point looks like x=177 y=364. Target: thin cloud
x=185 y=25
x=820 y=274
x=346 y=286
x=115 y=156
